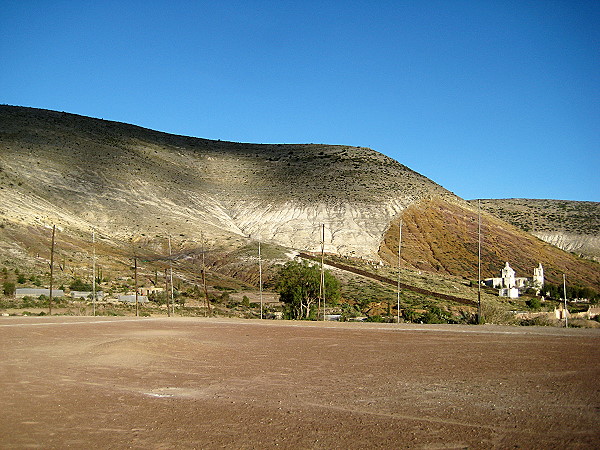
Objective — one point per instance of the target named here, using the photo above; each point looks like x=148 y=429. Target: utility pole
x=51 y=270
x=260 y=280
x=171 y=275
x=565 y=292
x=204 y=278
x=167 y=292
x=323 y=268
x=479 y=314
x=205 y=292
x=137 y=312
x=399 y=247
x=93 y=273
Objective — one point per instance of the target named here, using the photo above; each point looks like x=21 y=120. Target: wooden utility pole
x=167 y=292
x=260 y=281
x=206 y=291
x=51 y=270
x=565 y=292
x=398 y=290
x=479 y=312
x=322 y=284
x=204 y=277
x=93 y=273
x=171 y=275
x=137 y=313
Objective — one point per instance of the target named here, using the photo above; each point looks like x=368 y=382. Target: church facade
x=510 y=286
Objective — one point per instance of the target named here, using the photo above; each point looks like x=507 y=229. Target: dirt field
x=83 y=382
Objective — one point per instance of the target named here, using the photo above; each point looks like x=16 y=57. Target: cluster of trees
x=556 y=292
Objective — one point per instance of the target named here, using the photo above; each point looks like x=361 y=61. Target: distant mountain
x=135 y=186
x=570 y=225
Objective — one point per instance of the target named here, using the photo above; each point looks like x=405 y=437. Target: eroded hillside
x=572 y=226
x=84 y=173
x=442 y=236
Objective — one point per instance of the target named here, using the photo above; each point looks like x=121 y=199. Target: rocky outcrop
x=581 y=244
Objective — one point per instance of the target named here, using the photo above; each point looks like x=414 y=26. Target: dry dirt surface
x=84 y=382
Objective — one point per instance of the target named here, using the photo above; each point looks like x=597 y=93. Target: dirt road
x=83 y=382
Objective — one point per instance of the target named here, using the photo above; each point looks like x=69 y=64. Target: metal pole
x=565 y=292
x=260 y=281
x=398 y=288
x=51 y=270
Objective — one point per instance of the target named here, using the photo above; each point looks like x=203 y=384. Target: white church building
x=509 y=285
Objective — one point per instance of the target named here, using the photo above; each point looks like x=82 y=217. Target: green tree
x=298 y=286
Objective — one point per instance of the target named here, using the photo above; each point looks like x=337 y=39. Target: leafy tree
x=298 y=286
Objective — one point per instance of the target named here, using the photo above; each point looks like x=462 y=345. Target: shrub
x=9 y=288
x=376 y=318
x=541 y=321
x=435 y=315
x=534 y=303
x=411 y=315
x=78 y=285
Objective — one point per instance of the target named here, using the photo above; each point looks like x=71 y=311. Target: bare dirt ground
x=84 y=382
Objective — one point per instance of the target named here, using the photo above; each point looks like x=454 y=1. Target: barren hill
x=135 y=185
x=570 y=225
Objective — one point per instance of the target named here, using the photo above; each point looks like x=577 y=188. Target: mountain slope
x=135 y=186
x=127 y=180
x=570 y=225
x=442 y=236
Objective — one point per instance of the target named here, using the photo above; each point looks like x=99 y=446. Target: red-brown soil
x=84 y=382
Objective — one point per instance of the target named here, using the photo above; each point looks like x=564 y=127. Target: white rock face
x=572 y=242
x=350 y=229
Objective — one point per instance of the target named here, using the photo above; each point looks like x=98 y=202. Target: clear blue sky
x=490 y=99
